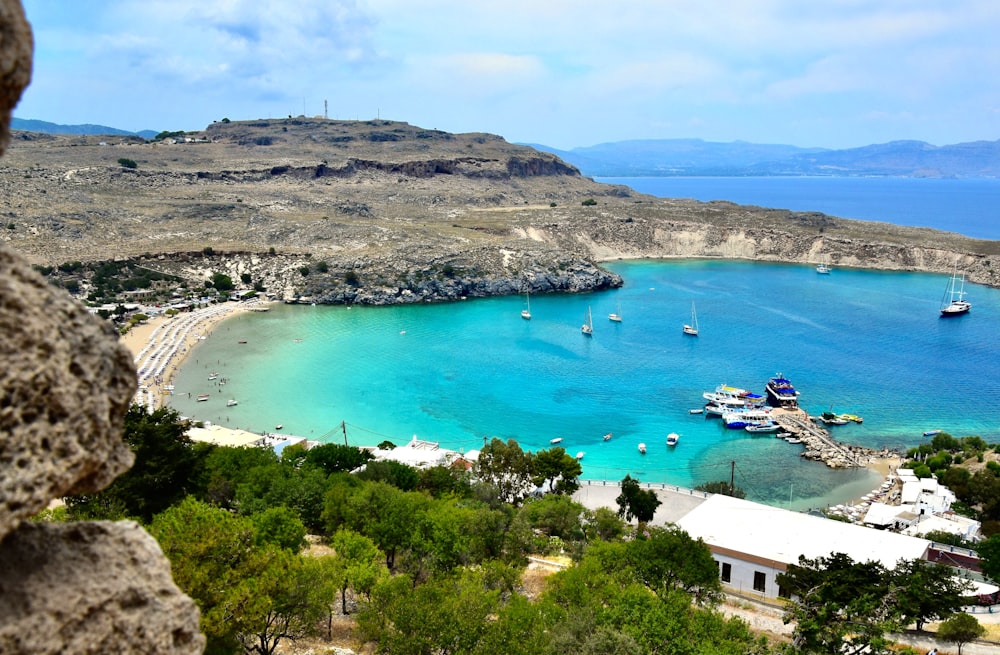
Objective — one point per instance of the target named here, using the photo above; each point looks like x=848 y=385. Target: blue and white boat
x=781 y=393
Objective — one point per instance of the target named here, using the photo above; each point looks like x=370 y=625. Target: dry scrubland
x=381 y=195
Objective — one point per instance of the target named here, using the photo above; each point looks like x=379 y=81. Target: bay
x=969 y=206
x=860 y=342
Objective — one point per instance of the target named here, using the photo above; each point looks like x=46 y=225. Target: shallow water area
x=859 y=342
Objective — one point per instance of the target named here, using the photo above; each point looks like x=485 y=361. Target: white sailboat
x=526 y=312
x=692 y=328
x=588 y=327
x=616 y=316
x=822 y=268
x=954 y=303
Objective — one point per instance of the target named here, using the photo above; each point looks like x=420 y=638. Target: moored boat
x=696 y=410
x=769 y=426
x=202 y=397
x=588 y=327
x=579 y=455
x=673 y=438
x=955 y=303
x=642 y=448
x=555 y=441
x=607 y=437
x=781 y=393
x=231 y=402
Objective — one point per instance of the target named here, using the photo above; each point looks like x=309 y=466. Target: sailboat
x=955 y=297
x=588 y=327
x=616 y=316
x=692 y=329
x=822 y=268
x=526 y=312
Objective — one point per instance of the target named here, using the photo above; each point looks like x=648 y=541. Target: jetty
x=820 y=446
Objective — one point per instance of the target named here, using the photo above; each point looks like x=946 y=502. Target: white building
x=754 y=543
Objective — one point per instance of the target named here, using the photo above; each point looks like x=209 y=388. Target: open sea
x=859 y=342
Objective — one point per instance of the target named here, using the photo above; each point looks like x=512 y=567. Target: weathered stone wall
x=65 y=385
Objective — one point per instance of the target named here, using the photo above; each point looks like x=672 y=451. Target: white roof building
x=753 y=543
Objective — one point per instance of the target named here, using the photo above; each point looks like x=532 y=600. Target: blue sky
x=830 y=73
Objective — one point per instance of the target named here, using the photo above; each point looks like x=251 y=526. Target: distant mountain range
x=694 y=157
x=30 y=125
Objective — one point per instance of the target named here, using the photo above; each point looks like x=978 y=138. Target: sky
x=562 y=73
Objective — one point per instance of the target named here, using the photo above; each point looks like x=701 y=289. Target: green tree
x=386 y=515
x=397 y=474
x=555 y=515
x=848 y=607
x=334 y=458
x=960 y=629
x=989 y=554
x=507 y=469
x=722 y=487
x=445 y=480
x=361 y=564
x=559 y=469
x=635 y=502
x=281 y=527
x=164 y=471
x=222 y=282
x=926 y=591
x=249 y=594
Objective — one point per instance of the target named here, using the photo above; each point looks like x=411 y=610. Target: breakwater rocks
x=819 y=446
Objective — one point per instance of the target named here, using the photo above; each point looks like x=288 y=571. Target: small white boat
x=278 y=426
x=526 y=312
x=579 y=455
x=673 y=438
x=616 y=317
x=931 y=433
x=231 y=402
x=642 y=448
x=823 y=269
x=692 y=328
x=202 y=397
x=555 y=441
x=607 y=437
x=696 y=410
x=588 y=327
x=213 y=376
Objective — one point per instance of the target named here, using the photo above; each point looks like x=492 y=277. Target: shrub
x=589 y=202
x=125 y=162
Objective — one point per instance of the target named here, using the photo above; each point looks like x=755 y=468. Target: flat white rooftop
x=782 y=536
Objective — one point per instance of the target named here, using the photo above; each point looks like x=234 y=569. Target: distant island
x=45 y=127
x=695 y=157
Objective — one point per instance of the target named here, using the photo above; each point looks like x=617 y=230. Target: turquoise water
x=861 y=342
x=968 y=206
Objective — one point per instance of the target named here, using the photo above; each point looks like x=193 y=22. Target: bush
x=589 y=202
x=124 y=162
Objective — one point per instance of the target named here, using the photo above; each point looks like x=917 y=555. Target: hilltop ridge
x=397 y=213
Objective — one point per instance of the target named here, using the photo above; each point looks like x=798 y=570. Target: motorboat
x=278 y=426
x=580 y=455
x=642 y=448
x=231 y=402
x=781 y=393
x=607 y=437
x=740 y=419
x=556 y=440
x=696 y=410
x=202 y=397
x=673 y=438
x=769 y=426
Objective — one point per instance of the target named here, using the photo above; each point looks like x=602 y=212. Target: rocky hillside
x=380 y=211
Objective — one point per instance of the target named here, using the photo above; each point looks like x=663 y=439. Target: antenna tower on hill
x=325 y=114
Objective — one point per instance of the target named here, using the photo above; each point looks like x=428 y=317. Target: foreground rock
x=66 y=383
x=91 y=588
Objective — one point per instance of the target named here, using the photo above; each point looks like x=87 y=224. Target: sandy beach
x=160 y=345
